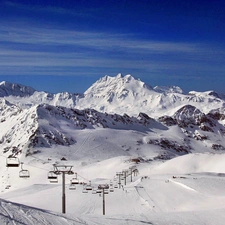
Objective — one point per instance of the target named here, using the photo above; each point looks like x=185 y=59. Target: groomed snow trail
x=17 y=214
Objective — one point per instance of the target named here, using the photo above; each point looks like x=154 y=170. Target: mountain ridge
x=169 y=140
x=119 y=94
x=42 y=120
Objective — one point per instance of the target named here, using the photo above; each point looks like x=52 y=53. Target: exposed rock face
x=167 y=120
x=43 y=125
x=171 y=145
x=188 y=116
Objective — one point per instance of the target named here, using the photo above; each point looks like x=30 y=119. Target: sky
x=67 y=45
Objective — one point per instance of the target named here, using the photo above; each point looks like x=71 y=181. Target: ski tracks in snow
x=9 y=218
x=143 y=194
x=16 y=214
x=83 y=142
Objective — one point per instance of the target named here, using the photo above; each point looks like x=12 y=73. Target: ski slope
x=158 y=194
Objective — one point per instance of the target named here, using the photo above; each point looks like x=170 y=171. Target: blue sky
x=66 y=45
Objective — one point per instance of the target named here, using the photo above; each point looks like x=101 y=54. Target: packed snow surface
x=186 y=190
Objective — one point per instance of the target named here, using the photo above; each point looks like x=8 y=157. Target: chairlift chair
x=53 y=178
x=106 y=191
x=72 y=187
x=74 y=181
x=88 y=186
x=24 y=173
x=12 y=162
x=84 y=190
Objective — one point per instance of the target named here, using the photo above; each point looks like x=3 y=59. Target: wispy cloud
x=95 y=40
x=54 y=9
x=56 y=50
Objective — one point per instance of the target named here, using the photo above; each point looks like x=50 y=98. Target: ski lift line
x=24 y=163
x=69 y=178
x=27 y=164
x=41 y=168
x=44 y=168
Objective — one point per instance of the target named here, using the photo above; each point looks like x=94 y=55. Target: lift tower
x=63 y=169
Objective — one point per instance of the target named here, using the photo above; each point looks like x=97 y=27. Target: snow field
x=158 y=195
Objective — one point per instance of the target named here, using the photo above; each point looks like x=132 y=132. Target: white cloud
x=57 y=50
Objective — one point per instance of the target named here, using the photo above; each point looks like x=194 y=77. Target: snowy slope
x=174 y=140
x=186 y=190
x=29 y=130
x=12 y=213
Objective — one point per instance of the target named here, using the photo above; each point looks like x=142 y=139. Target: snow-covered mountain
x=27 y=130
x=7 y=89
x=119 y=94
x=32 y=119
x=127 y=95
x=119 y=122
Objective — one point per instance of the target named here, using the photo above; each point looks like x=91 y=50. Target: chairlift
x=12 y=161
x=24 y=173
x=89 y=187
x=72 y=187
x=98 y=191
x=53 y=178
x=74 y=181
x=84 y=190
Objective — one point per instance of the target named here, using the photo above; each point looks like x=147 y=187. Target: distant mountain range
x=119 y=94
x=31 y=120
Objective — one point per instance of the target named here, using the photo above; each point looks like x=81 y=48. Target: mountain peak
x=7 y=89
x=116 y=85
